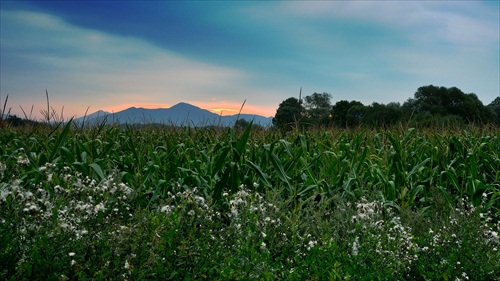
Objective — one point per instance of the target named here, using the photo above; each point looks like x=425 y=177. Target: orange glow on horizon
x=121 y=107
x=218 y=107
x=231 y=108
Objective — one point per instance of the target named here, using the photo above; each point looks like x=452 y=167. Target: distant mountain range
x=181 y=114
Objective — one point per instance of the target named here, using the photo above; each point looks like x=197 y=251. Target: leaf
x=60 y=140
x=278 y=166
x=97 y=169
x=219 y=186
x=262 y=176
x=240 y=146
x=220 y=160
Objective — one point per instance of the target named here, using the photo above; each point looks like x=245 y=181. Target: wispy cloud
x=261 y=52
x=102 y=70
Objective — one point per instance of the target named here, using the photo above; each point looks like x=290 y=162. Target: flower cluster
x=381 y=234
x=73 y=208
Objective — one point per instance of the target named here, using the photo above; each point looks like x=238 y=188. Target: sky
x=111 y=55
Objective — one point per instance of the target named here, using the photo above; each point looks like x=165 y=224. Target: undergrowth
x=125 y=203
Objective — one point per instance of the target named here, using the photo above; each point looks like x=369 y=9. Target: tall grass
x=210 y=203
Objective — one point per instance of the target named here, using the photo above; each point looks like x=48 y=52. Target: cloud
x=456 y=22
x=362 y=50
x=82 y=67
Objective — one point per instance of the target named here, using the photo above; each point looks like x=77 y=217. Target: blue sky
x=111 y=55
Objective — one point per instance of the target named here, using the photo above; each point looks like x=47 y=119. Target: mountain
x=181 y=114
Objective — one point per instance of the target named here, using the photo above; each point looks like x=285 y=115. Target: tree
x=241 y=124
x=356 y=115
x=289 y=114
x=317 y=100
x=495 y=107
x=339 y=111
x=317 y=107
x=442 y=101
x=495 y=102
x=382 y=115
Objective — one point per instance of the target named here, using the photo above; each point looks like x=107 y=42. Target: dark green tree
x=339 y=112
x=356 y=115
x=289 y=114
x=382 y=115
x=495 y=102
x=442 y=101
x=241 y=124
x=317 y=107
x=495 y=107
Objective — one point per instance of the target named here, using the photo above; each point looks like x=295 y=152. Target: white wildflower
x=166 y=209
x=355 y=246
x=99 y=207
x=127 y=265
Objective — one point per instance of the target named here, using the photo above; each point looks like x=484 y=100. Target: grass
x=106 y=202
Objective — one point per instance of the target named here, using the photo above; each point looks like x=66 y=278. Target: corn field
x=108 y=202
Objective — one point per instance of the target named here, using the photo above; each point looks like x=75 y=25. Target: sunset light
x=112 y=55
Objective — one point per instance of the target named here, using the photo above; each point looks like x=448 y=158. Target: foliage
x=289 y=114
x=431 y=106
x=340 y=110
x=443 y=101
x=317 y=108
x=104 y=202
x=495 y=107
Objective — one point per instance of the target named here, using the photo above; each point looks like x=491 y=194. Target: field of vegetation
x=114 y=203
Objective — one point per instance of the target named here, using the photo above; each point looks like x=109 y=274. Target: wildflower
x=355 y=246
x=127 y=265
x=99 y=207
x=191 y=213
x=311 y=244
x=23 y=160
x=263 y=245
x=73 y=262
x=166 y=209
x=71 y=254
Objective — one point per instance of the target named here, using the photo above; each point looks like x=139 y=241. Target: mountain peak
x=181 y=114
x=184 y=105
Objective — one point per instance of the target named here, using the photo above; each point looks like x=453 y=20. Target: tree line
x=430 y=106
